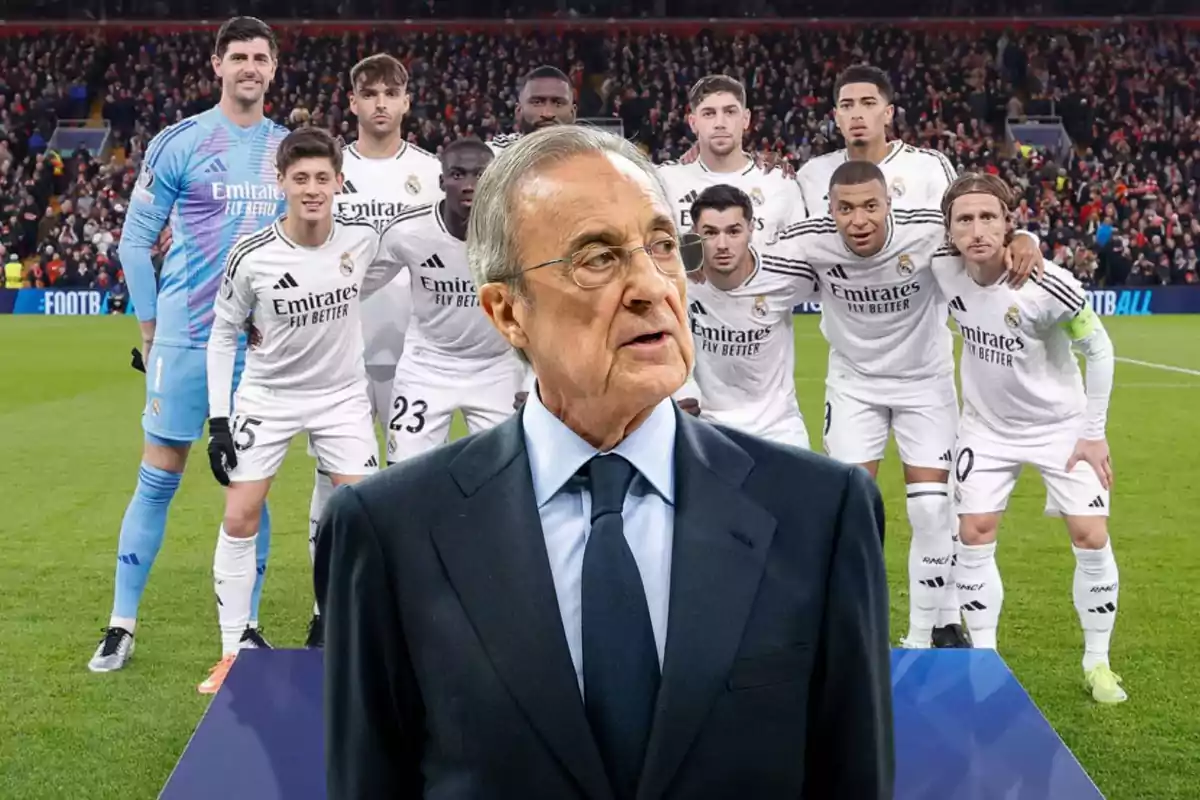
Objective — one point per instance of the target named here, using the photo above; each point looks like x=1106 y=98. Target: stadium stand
x=1098 y=125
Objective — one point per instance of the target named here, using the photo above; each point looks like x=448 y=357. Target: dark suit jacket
x=447 y=673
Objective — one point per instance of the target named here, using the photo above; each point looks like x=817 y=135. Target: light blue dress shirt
x=555 y=454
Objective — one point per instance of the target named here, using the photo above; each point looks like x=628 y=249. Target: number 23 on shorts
x=414 y=410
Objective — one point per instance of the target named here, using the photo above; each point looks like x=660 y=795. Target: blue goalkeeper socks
x=142 y=532
x=262 y=549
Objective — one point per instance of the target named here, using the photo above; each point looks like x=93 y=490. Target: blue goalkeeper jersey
x=215 y=182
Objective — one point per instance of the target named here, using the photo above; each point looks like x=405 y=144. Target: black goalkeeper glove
x=222 y=455
x=137 y=362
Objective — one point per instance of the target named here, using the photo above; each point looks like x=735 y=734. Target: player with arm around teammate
x=916 y=179
x=300 y=280
x=741 y=320
x=1024 y=402
x=211 y=178
x=454 y=358
x=891 y=365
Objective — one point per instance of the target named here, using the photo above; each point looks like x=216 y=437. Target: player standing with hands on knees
x=299 y=282
x=211 y=177
x=1024 y=402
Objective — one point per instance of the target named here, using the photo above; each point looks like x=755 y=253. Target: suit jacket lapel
x=720 y=548
x=495 y=557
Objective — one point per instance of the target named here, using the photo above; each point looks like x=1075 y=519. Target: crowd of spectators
x=1121 y=209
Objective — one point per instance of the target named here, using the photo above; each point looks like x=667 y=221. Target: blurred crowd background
x=1117 y=205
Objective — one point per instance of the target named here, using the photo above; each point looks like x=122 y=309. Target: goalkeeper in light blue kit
x=212 y=176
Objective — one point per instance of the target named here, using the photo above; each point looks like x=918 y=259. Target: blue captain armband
x=1082 y=325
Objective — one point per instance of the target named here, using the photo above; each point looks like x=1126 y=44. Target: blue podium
x=965 y=730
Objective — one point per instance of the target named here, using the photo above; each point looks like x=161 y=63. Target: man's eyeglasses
x=598 y=264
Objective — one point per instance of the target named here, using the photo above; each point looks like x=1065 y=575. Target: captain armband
x=1082 y=325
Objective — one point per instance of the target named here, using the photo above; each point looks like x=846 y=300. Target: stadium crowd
x=1121 y=209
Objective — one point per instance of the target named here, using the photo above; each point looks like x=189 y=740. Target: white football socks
x=1095 y=591
x=322 y=491
x=949 y=612
x=233 y=580
x=980 y=591
x=928 y=558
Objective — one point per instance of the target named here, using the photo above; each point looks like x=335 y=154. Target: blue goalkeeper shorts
x=177 y=393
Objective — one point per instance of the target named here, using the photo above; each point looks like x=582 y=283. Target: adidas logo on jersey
x=286 y=282
x=690 y=197
x=696 y=308
x=372 y=462
x=433 y=262
x=348 y=188
x=837 y=271
x=958 y=305
x=216 y=165
x=1097 y=503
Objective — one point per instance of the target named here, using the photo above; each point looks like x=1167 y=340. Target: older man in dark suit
x=603 y=597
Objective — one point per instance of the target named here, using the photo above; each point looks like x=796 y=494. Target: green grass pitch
x=70 y=442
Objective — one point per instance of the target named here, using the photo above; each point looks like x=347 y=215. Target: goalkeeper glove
x=137 y=362
x=222 y=455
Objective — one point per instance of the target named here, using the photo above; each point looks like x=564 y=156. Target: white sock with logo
x=322 y=491
x=949 y=612
x=233 y=580
x=1095 y=591
x=977 y=578
x=928 y=558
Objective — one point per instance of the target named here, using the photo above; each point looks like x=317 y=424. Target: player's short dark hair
x=544 y=72
x=864 y=73
x=720 y=197
x=978 y=183
x=465 y=143
x=856 y=173
x=308 y=142
x=244 y=29
x=379 y=68
x=715 y=84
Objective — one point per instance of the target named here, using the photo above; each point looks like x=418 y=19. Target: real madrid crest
x=1012 y=317
x=155 y=408
x=413 y=185
x=347 y=265
x=760 y=306
x=757 y=196
x=898 y=188
x=905 y=265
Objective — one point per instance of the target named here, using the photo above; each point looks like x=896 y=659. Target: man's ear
x=499 y=303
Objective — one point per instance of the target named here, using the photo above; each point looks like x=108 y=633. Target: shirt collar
x=556 y=452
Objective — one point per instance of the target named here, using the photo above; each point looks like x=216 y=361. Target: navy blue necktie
x=620 y=660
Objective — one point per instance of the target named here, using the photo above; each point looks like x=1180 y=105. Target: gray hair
x=492 y=250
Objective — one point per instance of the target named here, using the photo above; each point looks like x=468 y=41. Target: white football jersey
x=1019 y=374
x=303 y=304
x=883 y=316
x=777 y=200
x=499 y=142
x=376 y=190
x=917 y=178
x=448 y=319
x=745 y=349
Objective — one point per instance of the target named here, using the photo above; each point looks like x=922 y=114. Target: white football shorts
x=425 y=397
x=784 y=428
x=987 y=465
x=923 y=417
x=340 y=430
